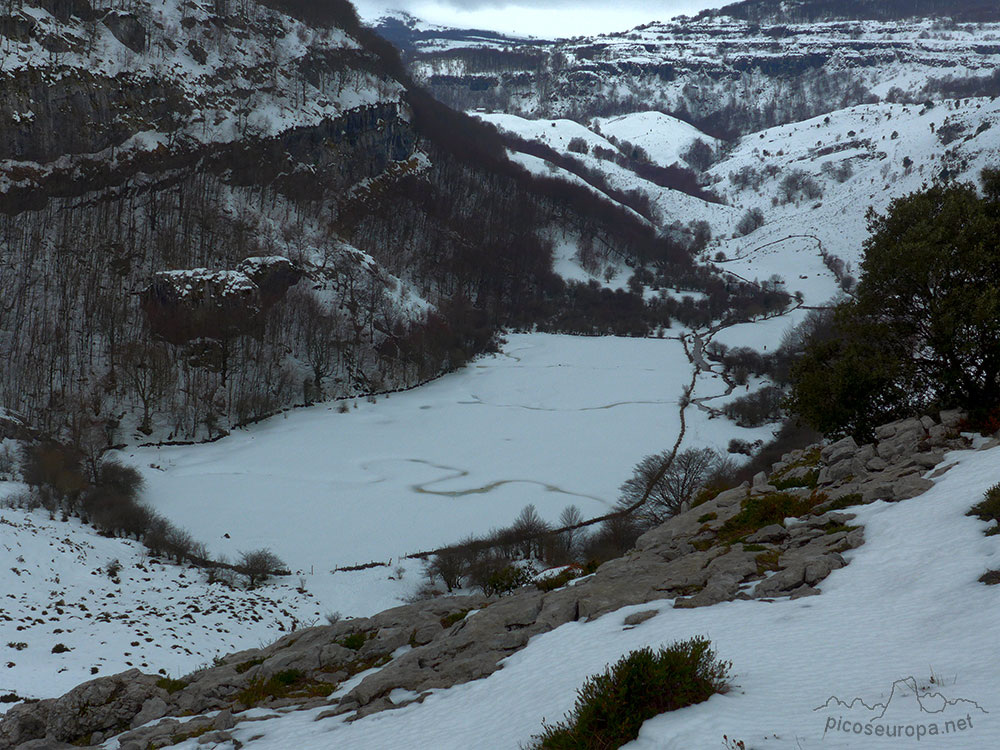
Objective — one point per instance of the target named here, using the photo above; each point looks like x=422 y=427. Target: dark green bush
x=557 y=581
x=354 y=641
x=505 y=580
x=919 y=332
x=611 y=707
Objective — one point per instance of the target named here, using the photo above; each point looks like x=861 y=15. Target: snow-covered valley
x=389 y=286
x=551 y=421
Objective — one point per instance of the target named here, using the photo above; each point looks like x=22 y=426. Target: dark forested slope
x=210 y=211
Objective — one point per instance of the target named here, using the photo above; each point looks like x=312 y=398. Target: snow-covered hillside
x=813 y=181
x=663 y=137
x=346 y=491
x=860 y=157
x=899 y=639
x=65 y=618
x=215 y=82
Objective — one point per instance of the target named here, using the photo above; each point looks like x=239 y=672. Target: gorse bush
x=506 y=579
x=558 y=581
x=611 y=707
x=354 y=641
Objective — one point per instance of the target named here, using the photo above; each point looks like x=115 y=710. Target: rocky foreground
x=779 y=536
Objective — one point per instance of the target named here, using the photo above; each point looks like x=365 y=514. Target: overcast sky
x=544 y=18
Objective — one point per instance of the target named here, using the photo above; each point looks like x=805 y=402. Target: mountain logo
x=909 y=712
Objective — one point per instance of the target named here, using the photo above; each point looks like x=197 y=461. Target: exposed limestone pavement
x=780 y=535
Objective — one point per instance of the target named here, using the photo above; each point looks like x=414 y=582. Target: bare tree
x=571 y=516
x=527 y=530
x=451 y=566
x=259 y=565
x=146 y=368
x=320 y=335
x=699 y=155
x=673 y=490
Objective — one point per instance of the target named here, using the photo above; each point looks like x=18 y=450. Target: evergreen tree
x=924 y=328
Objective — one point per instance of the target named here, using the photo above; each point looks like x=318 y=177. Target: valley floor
x=552 y=420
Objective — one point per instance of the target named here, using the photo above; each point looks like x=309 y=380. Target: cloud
x=545 y=18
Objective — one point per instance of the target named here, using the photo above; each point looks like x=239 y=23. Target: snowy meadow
x=550 y=421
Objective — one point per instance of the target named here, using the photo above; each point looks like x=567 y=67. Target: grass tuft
x=764 y=510
x=448 y=620
x=171 y=685
x=243 y=666
x=809 y=481
x=768 y=561
x=845 y=501
x=988 y=509
x=276 y=686
x=354 y=641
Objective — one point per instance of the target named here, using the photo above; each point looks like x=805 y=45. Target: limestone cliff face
x=167 y=84
x=728 y=74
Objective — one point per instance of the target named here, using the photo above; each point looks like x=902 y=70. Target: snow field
x=907 y=605
x=64 y=620
x=553 y=421
x=663 y=137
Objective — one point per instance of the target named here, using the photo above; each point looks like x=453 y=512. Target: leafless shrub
x=757 y=408
x=668 y=491
x=259 y=565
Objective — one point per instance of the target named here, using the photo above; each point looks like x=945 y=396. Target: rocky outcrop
x=199 y=303
x=742 y=544
x=127 y=28
x=107 y=706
